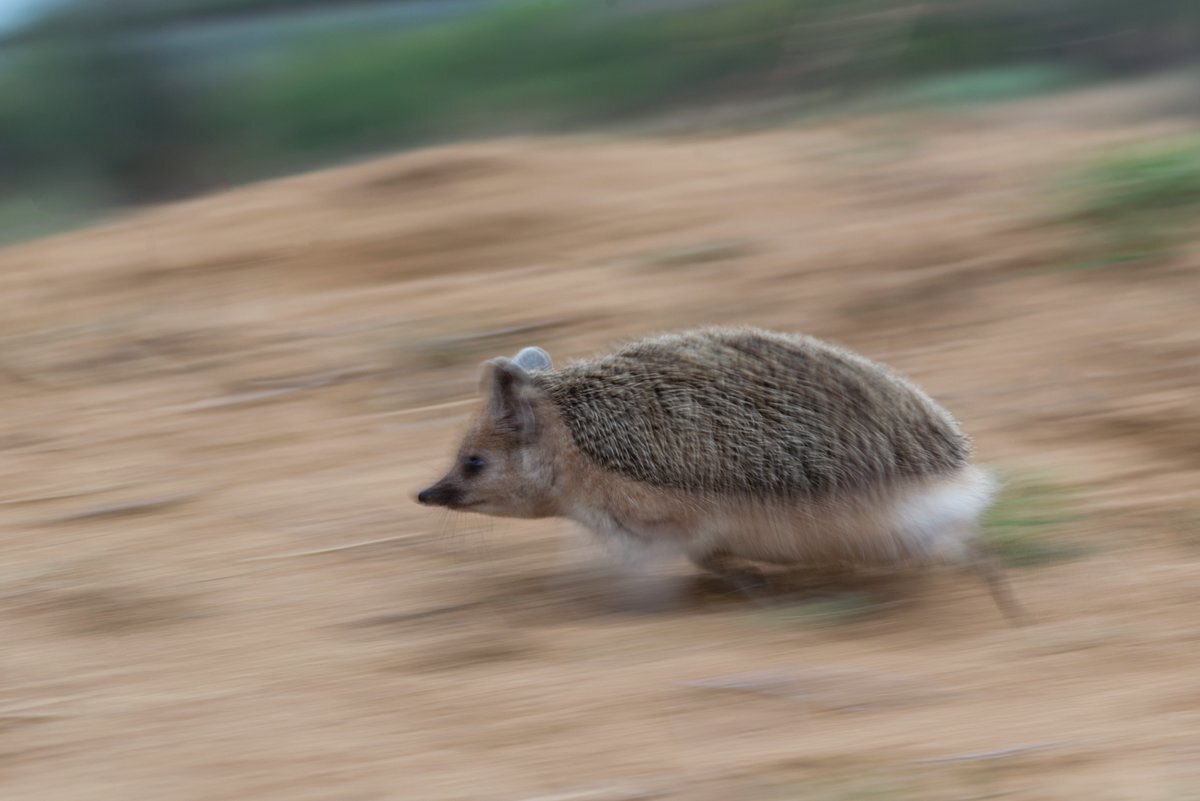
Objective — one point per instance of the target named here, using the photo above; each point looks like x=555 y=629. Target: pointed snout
x=440 y=494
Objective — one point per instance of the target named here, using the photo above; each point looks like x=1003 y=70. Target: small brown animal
x=732 y=445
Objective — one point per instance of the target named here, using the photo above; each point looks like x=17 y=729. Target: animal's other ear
x=532 y=358
x=509 y=394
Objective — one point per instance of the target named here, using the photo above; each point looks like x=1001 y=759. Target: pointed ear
x=532 y=358
x=509 y=394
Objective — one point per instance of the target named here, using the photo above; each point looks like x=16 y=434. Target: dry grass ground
x=214 y=583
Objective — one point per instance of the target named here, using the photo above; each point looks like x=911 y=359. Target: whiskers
x=467 y=535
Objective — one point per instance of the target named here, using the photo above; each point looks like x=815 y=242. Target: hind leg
x=743 y=577
x=984 y=565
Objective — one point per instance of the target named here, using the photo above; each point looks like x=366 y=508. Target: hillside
x=216 y=584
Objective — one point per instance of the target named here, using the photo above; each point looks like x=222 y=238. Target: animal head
x=505 y=465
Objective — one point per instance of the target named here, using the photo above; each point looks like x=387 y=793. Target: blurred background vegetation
x=110 y=103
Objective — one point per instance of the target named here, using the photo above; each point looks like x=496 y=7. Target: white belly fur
x=927 y=522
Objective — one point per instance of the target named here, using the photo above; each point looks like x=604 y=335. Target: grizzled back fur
x=751 y=413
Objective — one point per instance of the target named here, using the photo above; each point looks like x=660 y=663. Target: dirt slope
x=214 y=584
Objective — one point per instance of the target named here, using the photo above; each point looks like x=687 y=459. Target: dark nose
x=440 y=494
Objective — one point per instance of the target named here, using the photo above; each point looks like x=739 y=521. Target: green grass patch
x=1025 y=526
x=1138 y=203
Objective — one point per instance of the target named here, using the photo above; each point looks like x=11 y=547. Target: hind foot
x=744 y=578
x=987 y=568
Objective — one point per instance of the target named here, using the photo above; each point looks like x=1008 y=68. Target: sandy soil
x=214 y=583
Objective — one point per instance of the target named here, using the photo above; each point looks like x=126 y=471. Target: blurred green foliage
x=991 y=84
x=539 y=65
x=1020 y=528
x=144 y=13
x=1140 y=201
x=1116 y=36
x=93 y=95
x=79 y=112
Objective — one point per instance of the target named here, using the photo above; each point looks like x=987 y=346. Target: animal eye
x=473 y=465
